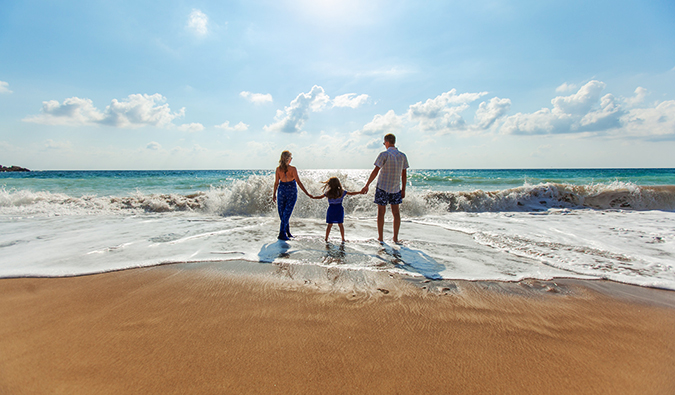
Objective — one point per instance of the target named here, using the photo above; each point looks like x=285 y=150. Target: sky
x=230 y=84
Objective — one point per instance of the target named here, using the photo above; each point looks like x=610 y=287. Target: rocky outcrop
x=12 y=168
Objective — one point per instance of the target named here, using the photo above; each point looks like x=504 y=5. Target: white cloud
x=191 y=127
x=489 y=112
x=135 y=111
x=240 y=127
x=638 y=98
x=154 y=146
x=543 y=121
x=442 y=113
x=350 y=100
x=565 y=87
x=296 y=114
x=583 y=111
x=140 y=110
x=73 y=112
x=656 y=123
x=607 y=117
x=256 y=98
x=4 y=87
x=198 y=23
x=374 y=144
x=580 y=102
x=383 y=124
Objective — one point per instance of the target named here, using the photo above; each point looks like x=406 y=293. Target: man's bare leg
x=380 y=222
x=397 y=220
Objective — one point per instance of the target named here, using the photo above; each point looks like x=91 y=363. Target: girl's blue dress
x=336 y=213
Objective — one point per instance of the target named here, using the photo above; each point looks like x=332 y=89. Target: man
x=391 y=166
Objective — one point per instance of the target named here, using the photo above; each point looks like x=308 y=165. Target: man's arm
x=404 y=180
x=373 y=174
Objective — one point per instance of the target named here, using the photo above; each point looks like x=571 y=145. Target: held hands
x=364 y=190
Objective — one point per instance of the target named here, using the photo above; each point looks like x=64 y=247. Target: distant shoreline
x=12 y=168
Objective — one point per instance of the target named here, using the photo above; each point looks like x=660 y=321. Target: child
x=336 y=213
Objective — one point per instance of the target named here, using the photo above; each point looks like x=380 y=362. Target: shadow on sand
x=271 y=251
x=412 y=260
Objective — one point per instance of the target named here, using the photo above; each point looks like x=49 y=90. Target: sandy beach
x=172 y=330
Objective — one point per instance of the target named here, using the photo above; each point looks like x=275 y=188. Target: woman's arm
x=297 y=179
x=276 y=184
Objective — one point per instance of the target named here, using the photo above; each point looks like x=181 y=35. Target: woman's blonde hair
x=332 y=188
x=283 y=161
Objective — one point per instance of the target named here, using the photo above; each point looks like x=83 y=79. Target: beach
x=505 y=282
x=198 y=329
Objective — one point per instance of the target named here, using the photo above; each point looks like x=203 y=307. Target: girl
x=336 y=213
x=285 y=179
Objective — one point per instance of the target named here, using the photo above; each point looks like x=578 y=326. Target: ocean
x=496 y=225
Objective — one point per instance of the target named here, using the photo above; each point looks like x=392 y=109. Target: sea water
x=505 y=225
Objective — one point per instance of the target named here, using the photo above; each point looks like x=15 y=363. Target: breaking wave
x=616 y=195
x=253 y=197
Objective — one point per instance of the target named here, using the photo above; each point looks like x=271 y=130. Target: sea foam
x=254 y=197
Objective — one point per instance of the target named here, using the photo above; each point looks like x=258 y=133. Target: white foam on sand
x=631 y=247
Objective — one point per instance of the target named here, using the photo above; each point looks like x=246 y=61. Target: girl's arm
x=276 y=184
x=355 y=193
x=317 y=197
x=297 y=178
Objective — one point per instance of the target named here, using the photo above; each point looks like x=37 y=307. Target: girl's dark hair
x=332 y=188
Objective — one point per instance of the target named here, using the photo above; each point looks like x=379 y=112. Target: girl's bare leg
x=342 y=232
x=328 y=227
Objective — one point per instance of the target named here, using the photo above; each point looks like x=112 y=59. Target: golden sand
x=166 y=330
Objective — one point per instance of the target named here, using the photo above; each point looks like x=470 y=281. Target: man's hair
x=390 y=138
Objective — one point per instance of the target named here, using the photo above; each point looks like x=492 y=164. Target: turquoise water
x=185 y=182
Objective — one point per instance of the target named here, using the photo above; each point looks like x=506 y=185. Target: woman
x=285 y=180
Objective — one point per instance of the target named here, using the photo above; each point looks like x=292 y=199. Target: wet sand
x=173 y=330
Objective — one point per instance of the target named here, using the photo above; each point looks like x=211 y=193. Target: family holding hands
x=391 y=167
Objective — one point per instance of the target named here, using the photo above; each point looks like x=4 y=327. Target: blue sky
x=229 y=85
